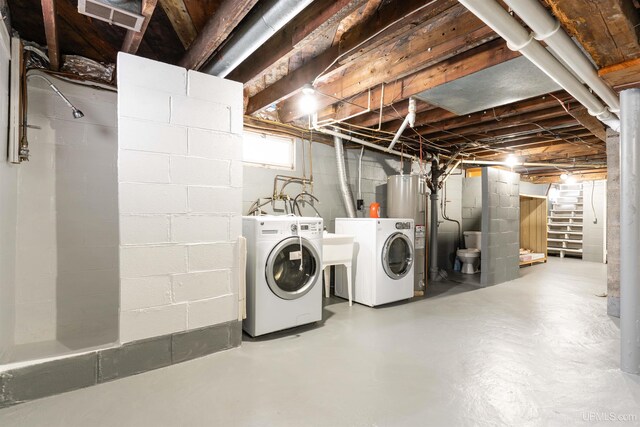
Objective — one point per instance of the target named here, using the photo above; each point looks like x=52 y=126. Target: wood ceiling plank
x=475 y=127
x=51 y=31
x=132 y=39
x=387 y=24
x=622 y=74
x=313 y=21
x=453 y=68
x=200 y=11
x=218 y=28
x=181 y=22
x=607 y=29
x=543 y=127
x=442 y=120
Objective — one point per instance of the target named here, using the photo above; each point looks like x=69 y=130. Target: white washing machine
x=383 y=259
x=284 y=266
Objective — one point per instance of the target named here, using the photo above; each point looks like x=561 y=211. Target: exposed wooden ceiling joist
x=181 y=21
x=218 y=28
x=387 y=24
x=133 y=39
x=452 y=68
x=308 y=24
x=51 y=31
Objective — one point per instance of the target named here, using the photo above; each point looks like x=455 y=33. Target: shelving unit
x=533 y=228
x=566 y=221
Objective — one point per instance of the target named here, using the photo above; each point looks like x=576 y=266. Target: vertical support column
x=613 y=223
x=630 y=231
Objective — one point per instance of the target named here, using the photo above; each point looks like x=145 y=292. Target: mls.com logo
x=593 y=416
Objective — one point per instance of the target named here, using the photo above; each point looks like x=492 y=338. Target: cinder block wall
x=180 y=195
x=499 y=256
x=613 y=223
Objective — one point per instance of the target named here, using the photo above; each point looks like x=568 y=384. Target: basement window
x=269 y=151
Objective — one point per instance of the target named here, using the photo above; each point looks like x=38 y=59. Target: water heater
x=406 y=199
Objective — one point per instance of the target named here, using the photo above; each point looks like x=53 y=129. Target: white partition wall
x=180 y=197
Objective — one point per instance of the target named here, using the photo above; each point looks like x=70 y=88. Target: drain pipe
x=345 y=190
x=519 y=39
x=433 y=233
x=409 y=120
x=363 y=142
x=630 y=232
x=261 y=24
x=548 y=30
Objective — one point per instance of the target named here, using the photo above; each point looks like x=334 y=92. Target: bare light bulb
x=308 y=103
x=511 y=161
x=564 y=176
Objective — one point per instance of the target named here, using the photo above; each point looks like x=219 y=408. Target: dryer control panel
x=403 y=226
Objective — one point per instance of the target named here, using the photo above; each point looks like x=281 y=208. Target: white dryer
x=383 y=259
x=284 y=264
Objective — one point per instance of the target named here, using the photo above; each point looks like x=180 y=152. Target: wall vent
x=124 y=13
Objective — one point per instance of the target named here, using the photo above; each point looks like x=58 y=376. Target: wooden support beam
x=181 y=21
x=313 y=21
x=625 y=73
x=391 y=21
x=594 y=125
x=218 y=28
x=607 y=29
x=51 y=32
x=133 y=39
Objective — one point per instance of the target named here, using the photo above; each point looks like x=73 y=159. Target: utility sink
x=336 y=248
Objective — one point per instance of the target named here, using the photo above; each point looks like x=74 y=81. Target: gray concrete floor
x=539 y=350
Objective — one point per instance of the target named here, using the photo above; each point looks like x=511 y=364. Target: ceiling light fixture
x=564 y=176
x=511 y=161
x=308 y=102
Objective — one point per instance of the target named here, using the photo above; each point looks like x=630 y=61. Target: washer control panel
x=403 y=226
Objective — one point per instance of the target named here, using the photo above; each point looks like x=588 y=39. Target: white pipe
x=363 y=142
x=548 y=29
x=409 y=120
x=519 y=39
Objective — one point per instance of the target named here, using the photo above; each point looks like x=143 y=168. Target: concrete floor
x=536 y=351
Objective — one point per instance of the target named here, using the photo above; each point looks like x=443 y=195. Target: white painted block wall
x=180 y=197
x=8 y=202
x=67 y=221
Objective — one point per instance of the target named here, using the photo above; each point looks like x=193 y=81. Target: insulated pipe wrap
x=269 y=18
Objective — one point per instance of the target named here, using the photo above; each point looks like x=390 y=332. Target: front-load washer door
x=293 y=267
x=397 y=256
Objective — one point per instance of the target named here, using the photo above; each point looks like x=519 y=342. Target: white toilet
x=470 y=257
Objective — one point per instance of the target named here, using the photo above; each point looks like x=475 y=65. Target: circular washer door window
x=397 y=256
x=292 y=268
